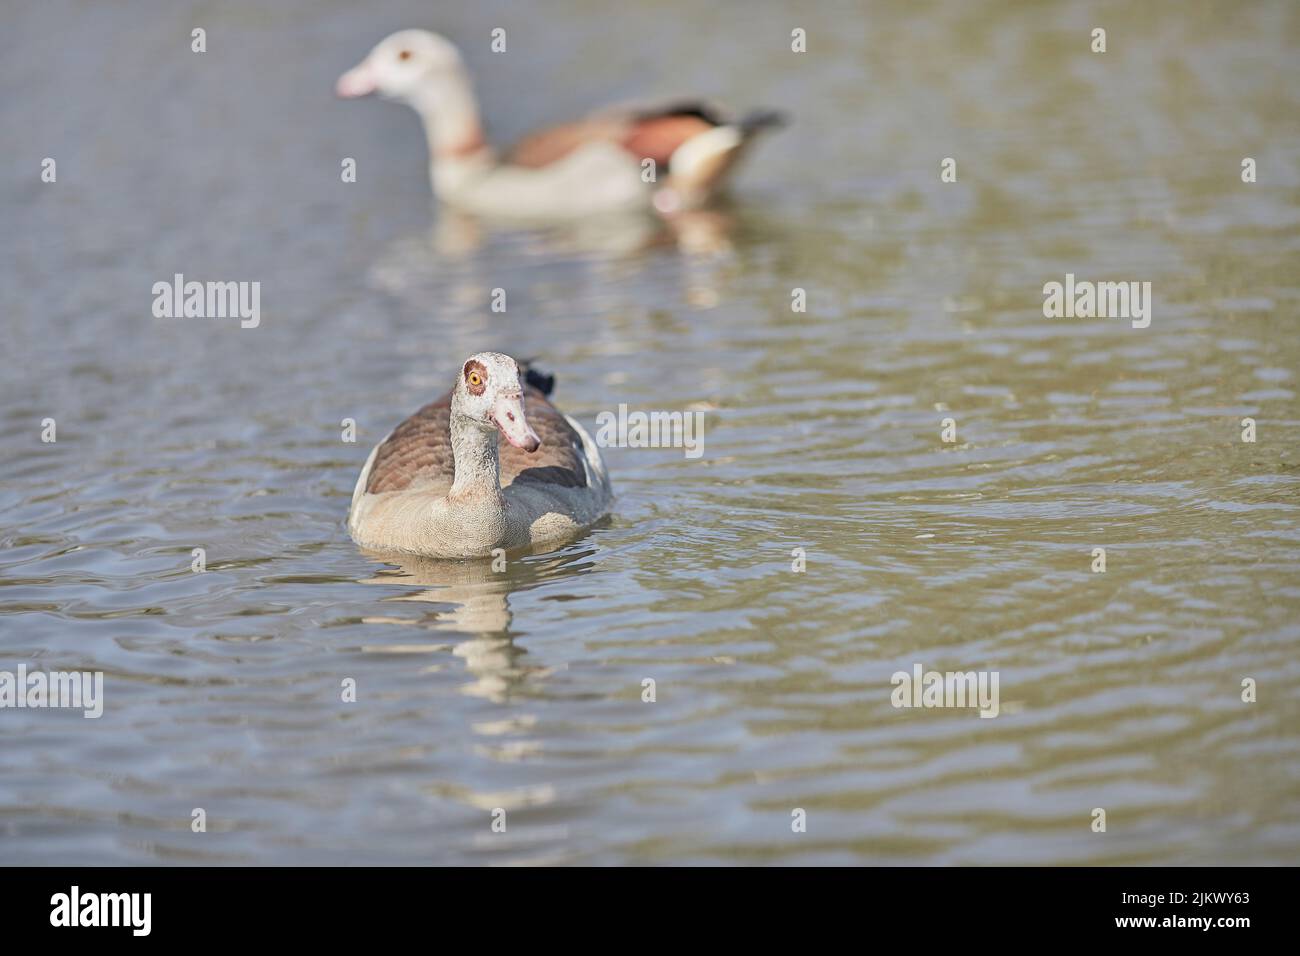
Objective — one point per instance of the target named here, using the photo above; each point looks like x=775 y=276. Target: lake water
x=522 y=691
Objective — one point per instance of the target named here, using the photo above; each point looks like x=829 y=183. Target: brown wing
x=554 y=143
x=558 y=461
x=645 y=133
x=419 y=450
x=657 y=137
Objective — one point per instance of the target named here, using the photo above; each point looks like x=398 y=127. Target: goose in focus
x=492 y=464
x=593 y=165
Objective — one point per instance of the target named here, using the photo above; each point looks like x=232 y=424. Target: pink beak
x=508 y=413
x=358 y=81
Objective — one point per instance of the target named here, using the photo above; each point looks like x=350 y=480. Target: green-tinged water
x=823 y=431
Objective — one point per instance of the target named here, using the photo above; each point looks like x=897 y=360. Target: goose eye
x=404 y=55
x=475 y=379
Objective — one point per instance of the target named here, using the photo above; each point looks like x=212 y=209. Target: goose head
x=403 y=66
x=489 y=394
x=425 y=71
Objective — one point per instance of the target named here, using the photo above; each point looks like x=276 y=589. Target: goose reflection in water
x=457 y=236
x=472 y=601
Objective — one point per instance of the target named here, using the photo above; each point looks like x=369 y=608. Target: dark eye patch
x=472 y=366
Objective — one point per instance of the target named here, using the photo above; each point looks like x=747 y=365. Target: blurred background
x=522 y=690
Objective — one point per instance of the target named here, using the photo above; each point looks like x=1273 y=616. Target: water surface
x=522 y=690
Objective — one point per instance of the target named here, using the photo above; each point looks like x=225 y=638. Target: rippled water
x=523 y=690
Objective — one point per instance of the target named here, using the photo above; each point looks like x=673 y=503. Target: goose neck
x=478 y=461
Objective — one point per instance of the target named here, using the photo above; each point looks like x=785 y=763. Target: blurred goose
x=473 y=472
x=589 y=166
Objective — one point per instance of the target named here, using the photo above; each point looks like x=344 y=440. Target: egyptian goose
x=445 y=484
x=590 y=166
